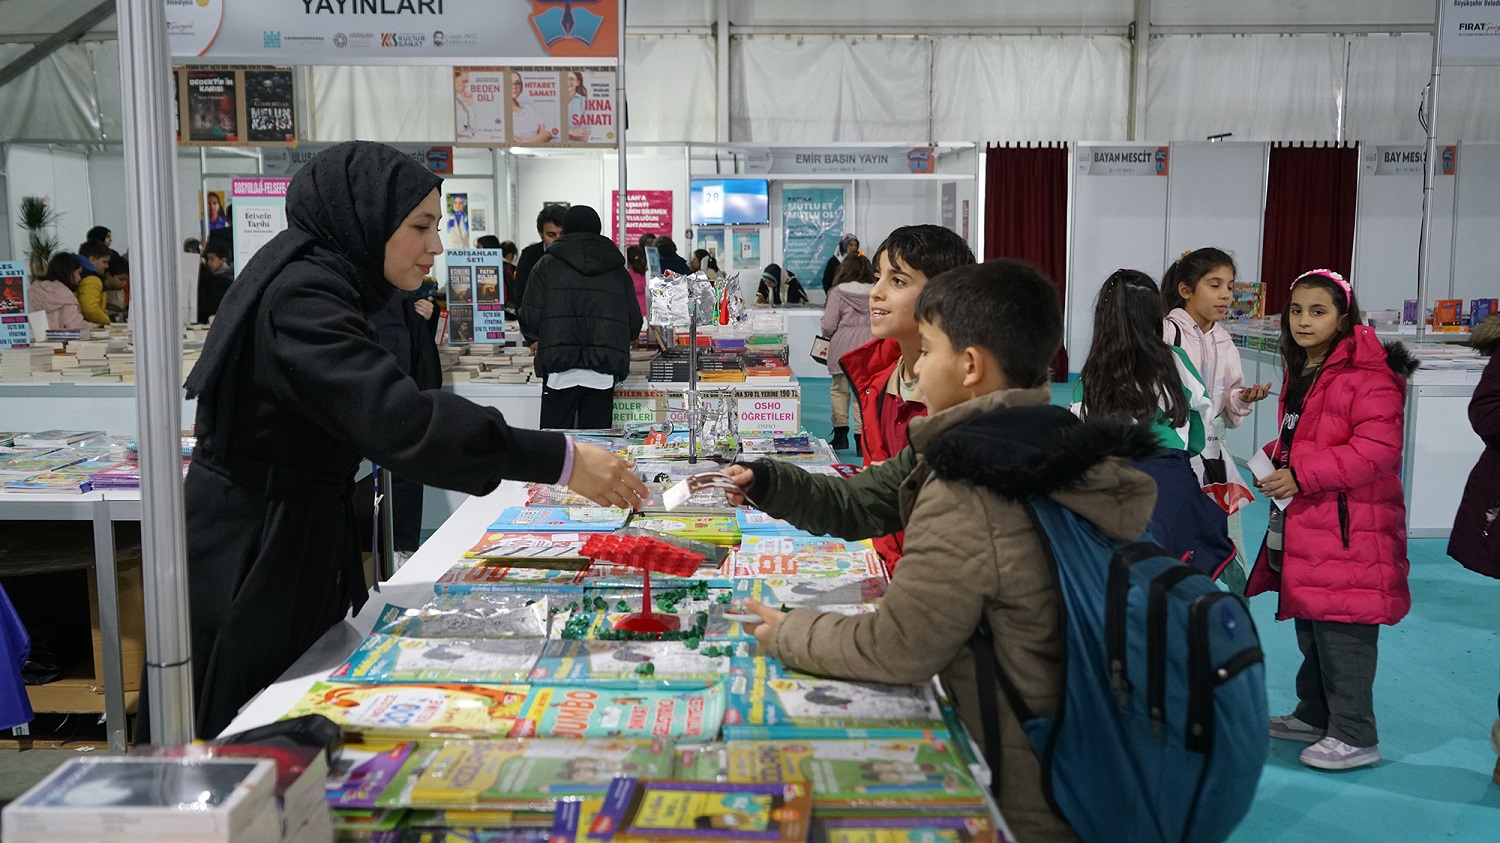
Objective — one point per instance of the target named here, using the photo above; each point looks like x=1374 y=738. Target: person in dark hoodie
x=988 y=335
x=581 y=312
x=671 y=261
x=293 y=390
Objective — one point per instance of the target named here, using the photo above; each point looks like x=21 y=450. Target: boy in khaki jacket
x=989 y=333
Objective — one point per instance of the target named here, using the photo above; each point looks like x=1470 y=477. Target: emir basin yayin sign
x=391 y=31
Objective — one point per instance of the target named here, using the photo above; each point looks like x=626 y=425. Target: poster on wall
x=259 y=215
x=480 y=100
x=646 y=212
x=325 y=32
x=476 y=296
x=228 y=106
x=213 y=212
x=269 y=109
x=589 y=95
x=15 y=326
x=812 y=222
x=1471 y=32
x=536 y=112
x=746 y=246
x=712 y=239
x=1123 y=160
x=455 y=223
x=213 y=107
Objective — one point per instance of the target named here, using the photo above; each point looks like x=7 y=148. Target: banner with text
x=259 y=207
x=1407 y=160
x=476 y=296
x=286 y=162
x=777 y=411
x=1122 y=160
x=812 y=221
x=323 y=32
x=15 y=327
x=646 y=212
x=858 y=160
x=1471 y=32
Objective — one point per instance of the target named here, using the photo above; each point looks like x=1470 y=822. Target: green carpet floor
x=1434 y=702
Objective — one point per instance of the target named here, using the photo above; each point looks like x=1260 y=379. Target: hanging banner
x=259 y=214
x=15 y=326
x=323 y=32
x=481 y=99
x=812 y=220
x=1123 y=160
x=1471 y=32
x=646 y=212
x=589 y=105
x=476 y=304
x=536 y=112
x=236 y=106
x=633 y=406
x=1408 y=160
x=855 y=160
x=777 y=411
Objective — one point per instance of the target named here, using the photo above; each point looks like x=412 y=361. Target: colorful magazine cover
x=50 y=483
x=573 y=819
x=809 y=592
x=628 y=663
x=476 y=575
x=385 y=659
x=520 y=775
x=559 y=519
x=714 y=529
x=360 y=775
x=532 y=550
x=971 y=829
x=791 y=556
x=578 y=712
x=755 y=522
x=863 y=775
x=721 y=627
x=469 y=616
x=477 y=835
x=688 y=810
x=766 y=701
x=399 y=712
x=30 y=465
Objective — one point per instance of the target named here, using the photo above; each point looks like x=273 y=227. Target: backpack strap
x=987 y=673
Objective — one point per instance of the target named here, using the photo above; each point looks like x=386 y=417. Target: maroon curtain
x=1310 y=197
x=1026 y=215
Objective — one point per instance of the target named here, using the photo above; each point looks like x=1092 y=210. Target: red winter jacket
x=1345 y=557
x=884 y=416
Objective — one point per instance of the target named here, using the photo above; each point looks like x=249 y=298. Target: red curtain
x=1026 y=215
x=1310 y=197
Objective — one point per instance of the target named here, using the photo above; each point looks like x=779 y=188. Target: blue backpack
x=1161 y=732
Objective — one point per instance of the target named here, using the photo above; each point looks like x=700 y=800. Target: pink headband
x=1331 y=276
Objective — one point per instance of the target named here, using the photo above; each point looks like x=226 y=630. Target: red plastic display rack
x=645 y=554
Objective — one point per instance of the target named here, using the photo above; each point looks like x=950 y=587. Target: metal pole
x=622 y=115
x=1140 y=52
x=692 y=391
x=146 y=70
x=721 y=45
x=1429 y=175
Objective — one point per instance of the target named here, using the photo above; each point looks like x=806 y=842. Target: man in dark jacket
x=581 y=312
x=549 y=226
x=670 y=260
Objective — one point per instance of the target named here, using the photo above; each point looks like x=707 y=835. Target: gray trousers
x=1336 y=683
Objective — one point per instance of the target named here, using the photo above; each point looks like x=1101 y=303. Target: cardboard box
x=1448 y=315
x=132 y=624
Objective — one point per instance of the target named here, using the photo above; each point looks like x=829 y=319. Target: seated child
x=988 y=335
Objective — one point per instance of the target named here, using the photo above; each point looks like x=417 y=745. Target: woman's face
x=576 y=80
x=461 y=82
x=77 y=276
x=410 y=251
x=515 y=86
x=214 y=208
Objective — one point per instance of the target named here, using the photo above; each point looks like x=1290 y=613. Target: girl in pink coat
x=1341 y=568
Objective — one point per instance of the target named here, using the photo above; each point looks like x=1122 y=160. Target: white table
x=411 y=586
x=103 y=509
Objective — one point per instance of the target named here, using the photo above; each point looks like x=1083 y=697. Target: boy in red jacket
x=883 y=371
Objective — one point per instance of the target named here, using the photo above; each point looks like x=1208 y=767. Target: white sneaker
x=1289 y=728
x=1334 y=754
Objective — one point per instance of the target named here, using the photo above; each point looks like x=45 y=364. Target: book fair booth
x=544 y=667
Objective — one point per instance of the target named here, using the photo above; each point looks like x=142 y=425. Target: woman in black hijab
x=293 y=389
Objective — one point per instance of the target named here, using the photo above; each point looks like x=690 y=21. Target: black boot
x=859 y=445
x=840 y=441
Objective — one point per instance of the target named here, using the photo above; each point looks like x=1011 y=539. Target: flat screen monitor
x=729 y=202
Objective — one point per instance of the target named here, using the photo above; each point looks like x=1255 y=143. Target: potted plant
x=38 y=219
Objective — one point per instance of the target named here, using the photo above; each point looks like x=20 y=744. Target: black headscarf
x=344 y=205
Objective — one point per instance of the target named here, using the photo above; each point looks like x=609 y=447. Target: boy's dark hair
x=1005 y=307
x=218 y=250
x=553 y=214
x=97 y=234
x=1294 y=356
x=1190 y=269
x=192 y=244
x=93 y=249
x=929 y=249
x=118 y=266
x=507 y=248
x=60 y=269
x=1130 y=371
x=665 y=245
x=487 y=241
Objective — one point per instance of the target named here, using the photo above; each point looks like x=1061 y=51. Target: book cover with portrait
x=212 y=106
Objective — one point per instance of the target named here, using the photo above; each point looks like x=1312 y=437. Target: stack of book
x=126 y=799
x=301 y=777
x=22 y=365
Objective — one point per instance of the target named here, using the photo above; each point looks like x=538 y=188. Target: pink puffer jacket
x=1345 y=541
